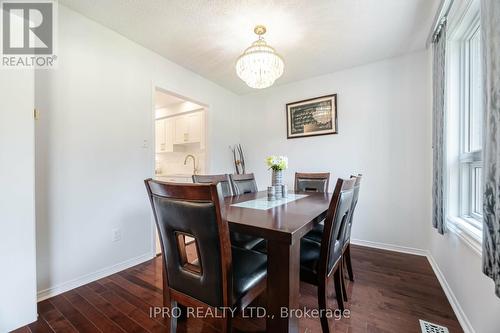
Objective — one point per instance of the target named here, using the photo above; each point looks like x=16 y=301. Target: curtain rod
x=441 y=15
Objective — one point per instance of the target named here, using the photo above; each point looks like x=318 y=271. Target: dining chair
x=312 y=182
x=317 y=233
x=237 y=239
x=346 y=248
x=243 y=184
x=320 y=261
x=222 y=179
x=223 y=276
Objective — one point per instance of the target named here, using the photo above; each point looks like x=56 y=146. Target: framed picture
x=315 y=116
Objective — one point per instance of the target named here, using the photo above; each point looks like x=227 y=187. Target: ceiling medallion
x=259 y=65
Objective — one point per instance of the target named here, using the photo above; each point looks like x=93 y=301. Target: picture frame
x=312 y=117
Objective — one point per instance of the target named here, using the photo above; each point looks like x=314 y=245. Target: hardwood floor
x=391 y=292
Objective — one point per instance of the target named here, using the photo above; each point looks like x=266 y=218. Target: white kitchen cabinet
x=188 y=128
x=169 y=135
x=194 y=126
x=181 y=130
x=164 y=132
x=160 y=137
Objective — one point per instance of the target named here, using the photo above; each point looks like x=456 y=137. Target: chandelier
x=259 y=65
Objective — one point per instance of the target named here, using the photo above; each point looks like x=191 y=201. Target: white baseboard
x=88 y=278
x=459 y=312
x=390 y=247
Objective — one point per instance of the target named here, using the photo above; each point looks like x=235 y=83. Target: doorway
x=180 y=145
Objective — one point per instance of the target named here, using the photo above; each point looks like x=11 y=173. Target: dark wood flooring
x=391 y=292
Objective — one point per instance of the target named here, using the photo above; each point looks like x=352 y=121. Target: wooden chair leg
x=226 y=324
x=322 y=287
x=168 y=302
x=183 y=312
x=347 y=254
x=338 y=288
x=342 y=280
x=344 y=264
x=170 y=321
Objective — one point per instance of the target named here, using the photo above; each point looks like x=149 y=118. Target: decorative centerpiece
x=277 y=164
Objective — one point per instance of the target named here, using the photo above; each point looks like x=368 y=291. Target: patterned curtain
x=490 y=29
x=439 y=130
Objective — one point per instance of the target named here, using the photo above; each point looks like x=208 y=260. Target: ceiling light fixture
x=259 y=65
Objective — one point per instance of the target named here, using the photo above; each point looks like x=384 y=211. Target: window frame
x=462 y=22
x=468 y=159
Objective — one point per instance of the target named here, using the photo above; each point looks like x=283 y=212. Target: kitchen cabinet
x=188 y=128
x=169 y=134
x=159 y=135
x=194 y=126
x=183 y=129
x=164 y=131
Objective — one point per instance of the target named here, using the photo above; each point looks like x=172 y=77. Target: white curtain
x=439 y=130
x=490 y=29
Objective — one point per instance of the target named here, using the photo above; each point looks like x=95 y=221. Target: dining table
x=282 y=223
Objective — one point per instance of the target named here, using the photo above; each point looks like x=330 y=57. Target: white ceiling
x=314 y=36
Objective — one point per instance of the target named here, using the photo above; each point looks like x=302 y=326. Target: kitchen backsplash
x=173 y=163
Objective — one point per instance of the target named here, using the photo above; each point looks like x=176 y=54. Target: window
x=465 y=122
x=471 y=129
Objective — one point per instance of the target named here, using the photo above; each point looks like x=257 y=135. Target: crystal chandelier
x=259 y=65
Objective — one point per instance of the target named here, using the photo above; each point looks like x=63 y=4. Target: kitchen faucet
x=194 y=162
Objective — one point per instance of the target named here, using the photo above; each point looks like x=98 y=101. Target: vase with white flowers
x=277 y=164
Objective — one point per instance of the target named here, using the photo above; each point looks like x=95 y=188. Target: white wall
x=17 y=195
x=460 y=265
x=96 y=112
x=384 y=133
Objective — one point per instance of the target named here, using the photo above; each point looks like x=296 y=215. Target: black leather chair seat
x=316 y=234
x=249 y=268
x=243 y=241
x=309 y=258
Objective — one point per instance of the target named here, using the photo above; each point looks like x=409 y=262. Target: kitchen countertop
x=175 y=175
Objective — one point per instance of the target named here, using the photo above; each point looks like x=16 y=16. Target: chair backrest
x=312 y=182
x=355 y=196
x=243 y=184
x=336 y=219
x=222 y=179
x=194 y=210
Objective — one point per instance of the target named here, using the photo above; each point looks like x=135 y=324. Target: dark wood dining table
x=282 y=226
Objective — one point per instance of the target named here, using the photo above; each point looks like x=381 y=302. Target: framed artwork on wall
x=310 y=117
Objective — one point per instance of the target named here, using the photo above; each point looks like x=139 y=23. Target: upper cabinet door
x=194 y=127
x=160 y=144
x=181 y=130
x=169 y=134
x=188 y=128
